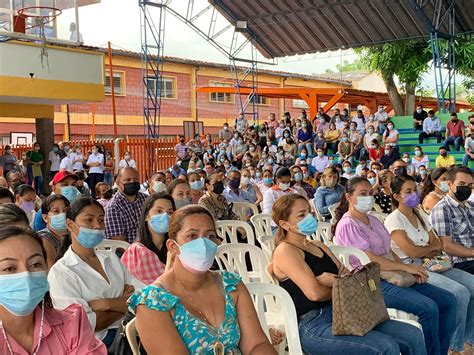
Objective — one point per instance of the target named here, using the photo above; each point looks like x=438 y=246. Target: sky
x=118 y=21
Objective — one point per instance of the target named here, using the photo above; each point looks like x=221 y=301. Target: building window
x=260 y=100
x=119 y=83
x=167 y=87
x=300 y=103
x=219 y=96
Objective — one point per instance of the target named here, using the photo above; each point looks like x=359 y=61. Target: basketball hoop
x=39 y=16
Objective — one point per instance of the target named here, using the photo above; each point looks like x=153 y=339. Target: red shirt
x=375 y=154
x=455 y=129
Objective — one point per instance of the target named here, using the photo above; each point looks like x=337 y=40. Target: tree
x=346 y=66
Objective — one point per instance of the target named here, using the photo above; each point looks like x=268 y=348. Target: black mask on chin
x=401 y=171
x=131 y=188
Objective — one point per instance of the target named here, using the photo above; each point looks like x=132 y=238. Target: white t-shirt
x=93 y=158
x=55 y=161
x=419 y=236
x=131 y=163
x=66 y=164
x=76 y=156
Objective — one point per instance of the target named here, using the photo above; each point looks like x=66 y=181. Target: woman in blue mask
x=434 y=189
x=96 y=280
x=281 y=188
x=54 y=210
x=180 y=191
x=146 y=258
x=307 y=269
x=266 y=182
x=196 y=182
x=329 y=192
x=29 y=322
x=197 y=311
x=298 y=184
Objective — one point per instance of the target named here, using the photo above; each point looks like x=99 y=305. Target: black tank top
x=318 y=266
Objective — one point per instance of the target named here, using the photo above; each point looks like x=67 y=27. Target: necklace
x=218 y=346
x=40 y=335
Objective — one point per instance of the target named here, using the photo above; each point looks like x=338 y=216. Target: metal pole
x=68 y=123
x=76 y=13
x=112 y=88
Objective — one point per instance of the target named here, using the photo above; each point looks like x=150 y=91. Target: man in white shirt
x=320 y=161
x=468 y=149
x=431 y=128
x=381 y=116
x=127 y=161
x=279 y=131
x=77 y=158
x=96 y=168
x=66 y=164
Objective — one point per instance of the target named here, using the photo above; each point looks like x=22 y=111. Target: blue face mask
x=198 y=255
x=308 y=225
x=159 y=223
x=197 y=185
x=182 y=202
x=372 y=181
x=443 y=186
x=58 y=222
x=268 y=181
x=298 y=177
x=21 y=293
x=70 y=192
x=90 y=238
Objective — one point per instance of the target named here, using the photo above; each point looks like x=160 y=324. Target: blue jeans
x=465 y=159
x=456 y=141
x=308 y=147
x=434 y=307
x=108 y=178
x=461 y=285
x=382 y=127
x=389 y=338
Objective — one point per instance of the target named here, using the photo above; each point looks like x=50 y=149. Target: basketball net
x=40 y=23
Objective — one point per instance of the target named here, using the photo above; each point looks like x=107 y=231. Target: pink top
x=373 y=237
x=143 y=263
x=64 y=332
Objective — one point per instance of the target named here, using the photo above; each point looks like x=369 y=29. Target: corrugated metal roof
x=288 y=27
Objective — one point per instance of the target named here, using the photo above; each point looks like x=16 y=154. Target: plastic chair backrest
x=343 y=253
x=132 y=334
x=377 y=208
x=266 y=242
x=227 y=231
x=380 y=216
x=270 y=274
x=233 y=257
x=112 y=245
x=324 y=233
x=332 y=211
x=262 y=224
x=318 y=215
x=242 y=210
x=260 y=293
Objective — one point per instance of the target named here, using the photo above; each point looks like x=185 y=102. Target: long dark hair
x=13 y=231
x=144 y=235
x=73 y=211
x=396 y=186
x=429 y=185
x=343 y=207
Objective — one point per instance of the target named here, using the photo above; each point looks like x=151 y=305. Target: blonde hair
x=328 y=171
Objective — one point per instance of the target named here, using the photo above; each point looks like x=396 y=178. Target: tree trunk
x=394 y=97
x=409 y=100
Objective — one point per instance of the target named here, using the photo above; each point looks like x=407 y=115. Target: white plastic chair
x=318 y=215
x=260 y=294
x=323 y=233
x=262 y=223
x=241 y=209
x=232 y=257
x=380 y=216
x=112 y=245
x=332 y=211
x=267 y=244
x=227 y=231
x=132 y=334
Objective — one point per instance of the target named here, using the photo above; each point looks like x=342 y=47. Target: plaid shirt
x=143 y=263
x=121 y=216
x=450 y=218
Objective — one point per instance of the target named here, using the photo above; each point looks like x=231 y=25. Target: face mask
x=443 y=154
x=345 y=139
x=159 y=186
x=252 y=149
x=390 y=127
x=347 y=169
x=372 y=180
x=338 y=120
x=320 y=154
x=198 y=255
x=270 y=161
x=303 y=155
x=286 y=135
x=283 y=186
x=330 y=162
x=267 y=181
x=412 y=200
x=370 y=131
x=376 y=171
x=462 y=193
x=364 y=204
x=406 y=160
x=419 y=110
x=298 y=177
x=58 y=222
x=107 y=194
x=417 y=153
x=131 y=188
x=258 y=174
x=22 y=292
x=241 y=141
x=159 y=223
x=321 y=120
x=218 y=187
x=234 y=183
x=303 y=125
x=90 y=238
x=245 y=180
x=443 y=186
x=226 y=128
x=55 y=149
x=423 y=173
x=182 y=202
x=380 y=110
x=27 y=206
x=197 y=185
x=127 y=157
x=95 y=151
x=401 y=171
x=209 y=151
x=308 y=225
x=387 y=151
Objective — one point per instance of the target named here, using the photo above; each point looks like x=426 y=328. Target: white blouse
x=72 y=280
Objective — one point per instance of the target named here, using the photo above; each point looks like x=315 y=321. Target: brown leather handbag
x=357 y=301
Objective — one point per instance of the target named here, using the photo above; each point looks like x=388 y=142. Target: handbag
x=398 y=278
x=357 y=302
x=439 y=263
x=120 y=345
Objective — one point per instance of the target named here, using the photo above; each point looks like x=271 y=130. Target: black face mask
x=107 y=194
x=131 y=188
x=462 y=193
x=218 y=188
x=401 y=171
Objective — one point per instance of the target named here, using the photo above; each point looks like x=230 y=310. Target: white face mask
x=364 y=203
x=283 y=186
x=159 y=186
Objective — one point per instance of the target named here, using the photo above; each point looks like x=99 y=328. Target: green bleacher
x=408 y=139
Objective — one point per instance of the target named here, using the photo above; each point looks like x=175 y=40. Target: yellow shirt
x=445 y=162
x=332 y=135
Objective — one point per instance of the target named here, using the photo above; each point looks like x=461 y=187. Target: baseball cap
x=60 y=176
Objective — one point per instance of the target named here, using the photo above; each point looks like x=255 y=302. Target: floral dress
x=198 y=336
